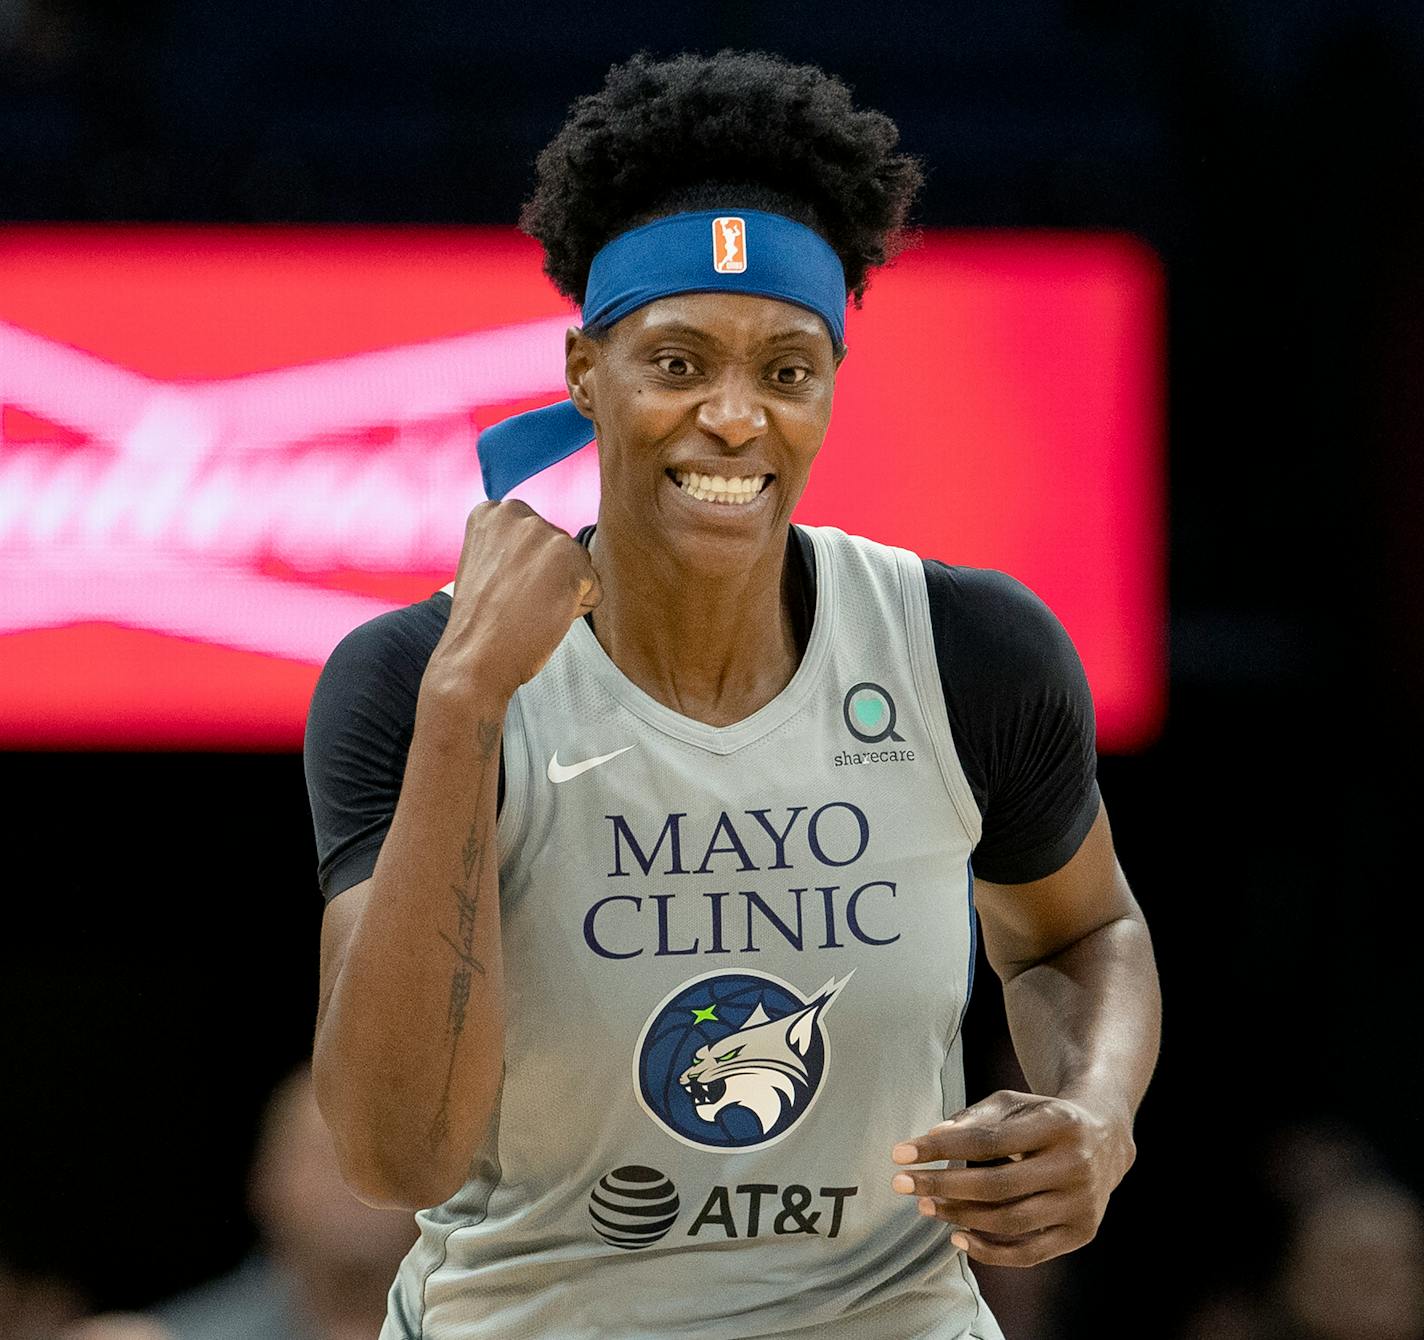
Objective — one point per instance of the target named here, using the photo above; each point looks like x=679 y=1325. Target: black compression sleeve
x=1022 y=717
x=359 y=728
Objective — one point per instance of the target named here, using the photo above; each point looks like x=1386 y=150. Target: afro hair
x=737 y=130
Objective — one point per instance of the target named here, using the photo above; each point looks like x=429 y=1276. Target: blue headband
x=750 y=251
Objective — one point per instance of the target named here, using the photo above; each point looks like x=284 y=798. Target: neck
x=715 y=648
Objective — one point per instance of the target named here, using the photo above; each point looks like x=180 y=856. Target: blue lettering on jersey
x=733 y=1060
x=671 y=834
x=837 y=834
x=739 y=921
x=622 y=925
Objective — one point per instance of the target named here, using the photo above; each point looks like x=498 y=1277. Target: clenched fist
x=520 y=584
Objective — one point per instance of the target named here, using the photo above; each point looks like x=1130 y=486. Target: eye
x=686 y=365
x=793 y=367
x=729 y=1056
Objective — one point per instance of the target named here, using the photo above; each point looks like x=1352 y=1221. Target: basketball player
x=651 y=917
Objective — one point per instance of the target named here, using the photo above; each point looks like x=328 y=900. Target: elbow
x=385 y=1192
x=387 y=1171
x=387 y=1183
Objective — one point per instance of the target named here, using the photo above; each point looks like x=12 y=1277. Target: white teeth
x=716 y=488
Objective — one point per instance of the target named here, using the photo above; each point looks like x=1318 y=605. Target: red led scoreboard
x=222 y=449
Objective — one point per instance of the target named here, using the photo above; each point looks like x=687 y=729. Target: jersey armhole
x=924 y=669
x=518 y=773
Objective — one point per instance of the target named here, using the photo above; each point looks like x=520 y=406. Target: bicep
x=1023 y=924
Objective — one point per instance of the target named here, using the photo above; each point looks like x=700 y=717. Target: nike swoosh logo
x=558 y=772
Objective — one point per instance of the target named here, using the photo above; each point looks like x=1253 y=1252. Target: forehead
x=729 y=320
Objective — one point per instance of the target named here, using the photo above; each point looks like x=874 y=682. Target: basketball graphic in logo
x=729 y=245
x=633 y=1207
x=733 y=1060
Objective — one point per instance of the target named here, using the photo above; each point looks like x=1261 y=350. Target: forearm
x=1086 y=1023
x=409 y=1048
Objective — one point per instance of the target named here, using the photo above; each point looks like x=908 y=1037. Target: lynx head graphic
x=734 y=1059
x=762 y=1066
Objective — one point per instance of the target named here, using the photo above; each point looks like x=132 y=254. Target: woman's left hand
x=1053 y=1165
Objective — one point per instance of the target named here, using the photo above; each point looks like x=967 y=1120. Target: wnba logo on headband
x=729 y=245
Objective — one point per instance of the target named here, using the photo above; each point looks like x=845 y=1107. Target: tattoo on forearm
x=467 y=901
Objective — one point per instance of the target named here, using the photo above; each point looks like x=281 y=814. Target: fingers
x=520 y=584
x=1028 y=1251
x=1003 y=1223
x=1023 y=1232
x=1002 y=1126
x=1046 y=1167
x=992 y=1185
x=590 y=588
x=590 y=594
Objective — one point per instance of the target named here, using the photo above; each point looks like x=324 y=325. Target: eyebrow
x=696 y=333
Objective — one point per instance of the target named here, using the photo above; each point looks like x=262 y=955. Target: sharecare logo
x=223 y=449
x=729 y=245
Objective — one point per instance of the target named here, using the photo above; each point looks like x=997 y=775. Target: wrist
x=455 y=702
x=459 y=684
x=1114 y=1114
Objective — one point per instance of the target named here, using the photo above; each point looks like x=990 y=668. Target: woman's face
x=725 y=387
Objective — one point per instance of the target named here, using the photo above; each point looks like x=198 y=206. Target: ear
x=803 y=1022
x=580 y=369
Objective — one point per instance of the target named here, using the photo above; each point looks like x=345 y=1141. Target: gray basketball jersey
x=736 y=961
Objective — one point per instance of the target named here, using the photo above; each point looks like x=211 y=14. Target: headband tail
x=516 y=448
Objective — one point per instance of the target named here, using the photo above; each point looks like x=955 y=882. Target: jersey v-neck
x=727 y=739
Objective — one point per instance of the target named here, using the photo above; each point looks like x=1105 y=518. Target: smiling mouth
x=733 y=490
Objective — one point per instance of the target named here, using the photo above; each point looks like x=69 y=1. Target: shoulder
x=988 y=626
x=371 y=679
x=358 y=732
x=400 y=636
x=989 y=623
x=1021 y=715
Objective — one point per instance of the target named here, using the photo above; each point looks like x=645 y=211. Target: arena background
x=158 y=945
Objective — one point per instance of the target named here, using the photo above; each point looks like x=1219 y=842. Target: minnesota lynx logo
x=733 y=1060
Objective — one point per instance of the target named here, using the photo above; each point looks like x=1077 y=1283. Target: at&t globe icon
x=633 y=1206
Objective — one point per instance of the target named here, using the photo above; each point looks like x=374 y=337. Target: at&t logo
x=635 y=1206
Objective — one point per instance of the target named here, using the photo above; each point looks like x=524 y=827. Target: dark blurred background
x=159 y=923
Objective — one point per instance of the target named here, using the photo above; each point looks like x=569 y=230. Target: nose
x=733 y=410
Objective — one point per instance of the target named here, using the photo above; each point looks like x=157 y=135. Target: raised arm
x=408 y=1054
